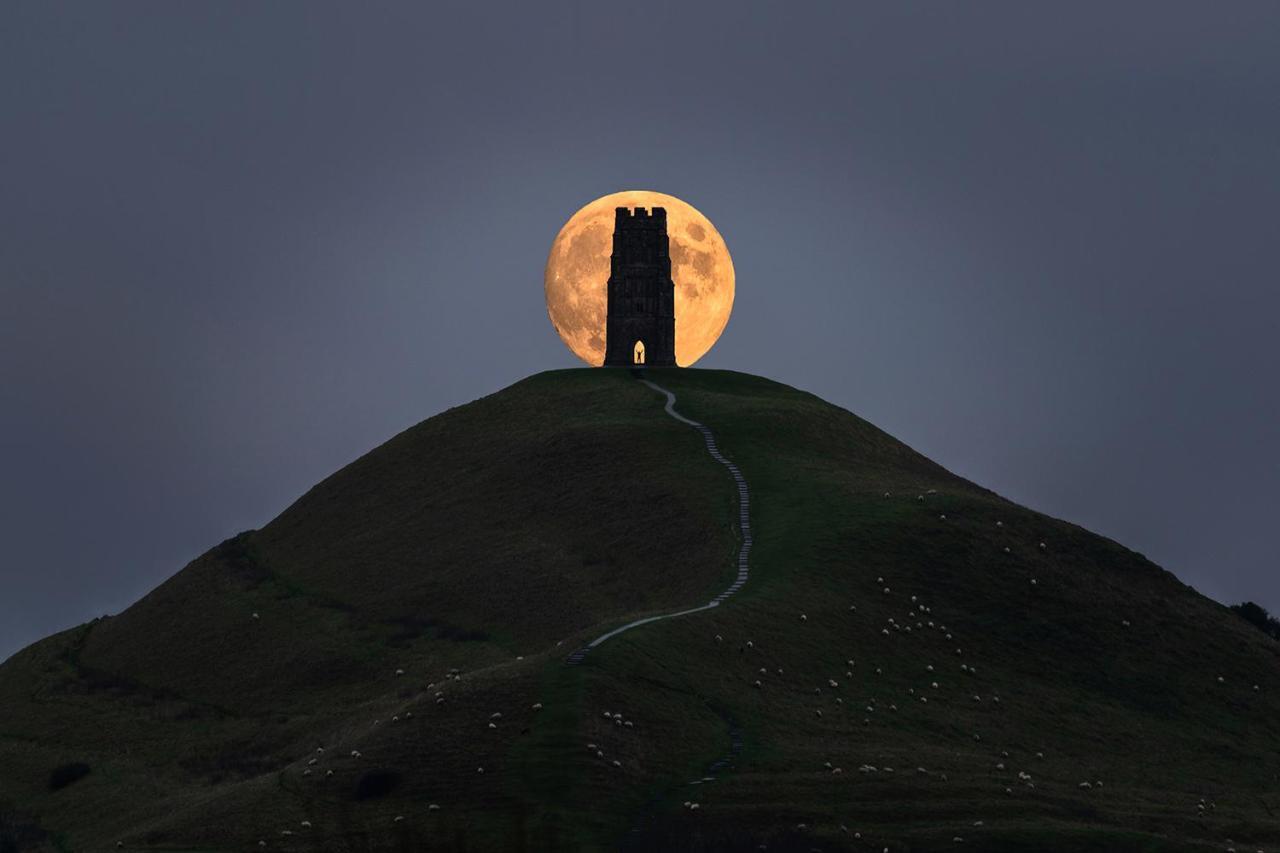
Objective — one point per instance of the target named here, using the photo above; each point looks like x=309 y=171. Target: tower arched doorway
x=638 y=353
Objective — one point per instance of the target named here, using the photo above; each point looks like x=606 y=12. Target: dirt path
x=744 y=525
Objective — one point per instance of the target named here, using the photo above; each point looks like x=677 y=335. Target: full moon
x=578 y=273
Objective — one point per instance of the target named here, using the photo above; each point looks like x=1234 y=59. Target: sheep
x=480 y=770
x=496 y=715
x=355 y=753
x=1034 y=582
x=1006 y=549
x=629 y=724
x=328 y=773
x=306 y=824
x=433 y=808
x=617 y=763
x=818 y=713
x=928 y=667
x=836 y=771
x=320 y=750
x=833 y=682
x=1000 y=765
x=399 y=672
x=396 y=718
x=537 y=706
x=312 y=762
x=804 y=618
x=591 y=746
x=255 y=614
x=306 y=772
x=999 y=524
x=886 y=590
x=1085 y=786
x=493 y=726
x=398 y=818
x=942 y=517
x=934 y=685
x=719 y=639
x=1042 y=546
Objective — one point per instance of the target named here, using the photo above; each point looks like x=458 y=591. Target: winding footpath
x=744 y=525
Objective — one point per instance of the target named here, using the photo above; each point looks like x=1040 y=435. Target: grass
x=496 y=537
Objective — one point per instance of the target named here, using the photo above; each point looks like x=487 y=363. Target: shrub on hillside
x=1257 y=615
x=65 y=775
x=376 y=784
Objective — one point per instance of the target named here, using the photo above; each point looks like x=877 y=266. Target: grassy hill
x=441 y=579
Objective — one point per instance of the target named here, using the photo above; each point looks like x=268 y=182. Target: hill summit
x=914 y=664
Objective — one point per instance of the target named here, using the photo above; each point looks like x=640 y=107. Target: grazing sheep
x=433 y=808
x=719 y=639
x=757 y=684
x=1033 y=582
x=328 y=773
x=537 y=706
x=399 y=672
x=999 y=524
x=312 y=762
x=398 y=818
x=617 y=763
x=355 y=753
x=1006 y=549
x=832 y=682
x=886 y=590
x=1042 y=546
x=942 y=518
x=255 y=615
x=496 y=715
x=1085 y=785
x=479 y=769
x=818 y=713
x=493 y=726
x=306 y=824
x=804 y=618
x=306 y=772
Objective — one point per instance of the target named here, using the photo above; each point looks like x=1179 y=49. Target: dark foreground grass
x=475 y=550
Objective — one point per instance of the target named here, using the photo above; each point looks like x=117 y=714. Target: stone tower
x=641 y=325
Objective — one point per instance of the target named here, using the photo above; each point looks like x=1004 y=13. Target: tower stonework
x=641 y=324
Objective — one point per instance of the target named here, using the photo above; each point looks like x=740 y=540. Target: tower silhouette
x=641 y=323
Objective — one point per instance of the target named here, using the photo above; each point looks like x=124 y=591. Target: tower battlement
x=639 y=215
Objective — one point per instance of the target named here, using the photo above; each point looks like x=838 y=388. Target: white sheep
x=537 y=706
x=399 y=672
x=433 y=808
x=306 y=824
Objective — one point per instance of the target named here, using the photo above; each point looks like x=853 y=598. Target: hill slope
x=496 y=537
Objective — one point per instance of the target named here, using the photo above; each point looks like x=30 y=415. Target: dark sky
x=241 y=244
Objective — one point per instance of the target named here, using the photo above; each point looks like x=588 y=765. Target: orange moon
x=577 y=276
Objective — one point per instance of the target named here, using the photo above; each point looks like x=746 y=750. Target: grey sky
x=241 y=244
